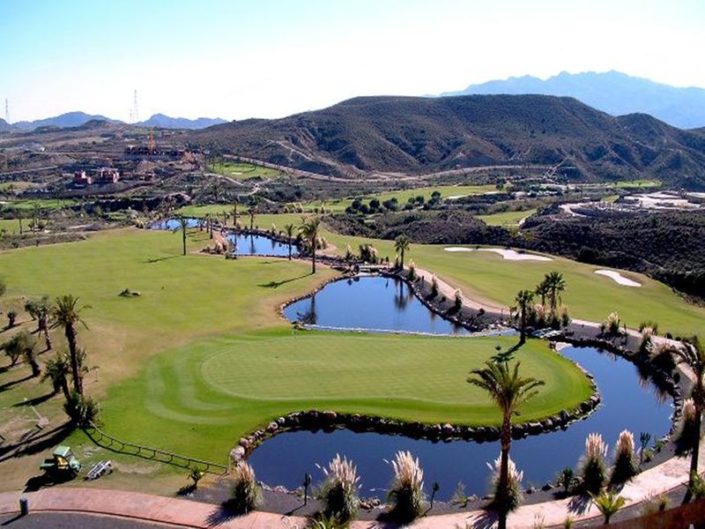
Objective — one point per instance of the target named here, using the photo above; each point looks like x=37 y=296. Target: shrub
x=566 y=479
x=434 y=287
x=246 y=494
x=406 y=490
x=625 y=467
x=593 y=469
x=654 y=504
x=196 y=476
x=612 y=324
x=458 y=302
x=82 y=410
x=565 y=317
x=513 y=495
x=608 y=503
x=339 y=490
x=412 y=271
x=696 y=487
x=686 y=433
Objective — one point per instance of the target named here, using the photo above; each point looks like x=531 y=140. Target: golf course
x=201 y=356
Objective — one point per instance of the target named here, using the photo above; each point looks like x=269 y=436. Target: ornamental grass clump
x=593 y=470
x=686 y=434
x=625 y=466
x=246 y=494
x=406 y=491
x=612 y=324
x=339 y=490
x=513 y=495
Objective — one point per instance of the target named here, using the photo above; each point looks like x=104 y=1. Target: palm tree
x=555 y=285
x=252 y=211
x=289 y=229
x=183 y=224
x=23 y=344
x=693 y=354
x=57 y=370
x=509 y=391
x=309 y=231
x=67 y=314
x=235 y=202
x=401 y=245
x=523 y=302
x=608 y=503
x=542 y=290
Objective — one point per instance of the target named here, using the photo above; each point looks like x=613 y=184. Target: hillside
x=612 y=92
x=420 y=135
x=166 y=122
x=70 y=119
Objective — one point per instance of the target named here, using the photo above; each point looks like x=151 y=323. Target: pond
x=627 y=403
x=173 y=224
x=260 y=245
x=372 y=303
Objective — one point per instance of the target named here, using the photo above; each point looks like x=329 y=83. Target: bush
x=82 y=410
x=566 y=479
x=686 y=433
x=246 y=494
x=406 y=491
x=612 y=324
x=458 y=302
x=339 y=490
x=511 y=498
x=434 y=287
x=593 y=470
x=625 y=467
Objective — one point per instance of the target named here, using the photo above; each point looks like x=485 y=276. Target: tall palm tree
x=523 y=301
x=289 y=229
x=183 y=224
x=509 y=391
x=252 y=211
x=555 y=285
x=67 y=314
x=309 y=230
x=542 y=291
x=401 y=245
x=692 y=353
x=57 y=370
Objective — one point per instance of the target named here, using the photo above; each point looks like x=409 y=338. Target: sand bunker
x=509 y=255
x=618 y=278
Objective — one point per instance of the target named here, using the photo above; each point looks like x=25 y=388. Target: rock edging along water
x=330 y=420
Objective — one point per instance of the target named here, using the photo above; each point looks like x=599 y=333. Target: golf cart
x=62 y=463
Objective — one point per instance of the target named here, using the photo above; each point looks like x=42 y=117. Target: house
x=107 y=175
x=81 y=179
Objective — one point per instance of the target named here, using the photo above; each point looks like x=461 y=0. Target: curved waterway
x=627 y=403
x=387 y=304
x=371 y=303
x=245 y=244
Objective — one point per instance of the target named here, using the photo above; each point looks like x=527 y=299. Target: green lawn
x=403 y=196
x=242 y=170
x=506 y=218
x=28 y=205
x=202 y=357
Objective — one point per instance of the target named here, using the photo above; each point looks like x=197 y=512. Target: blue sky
x=238 y=59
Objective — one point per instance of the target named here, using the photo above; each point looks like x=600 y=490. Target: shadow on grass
x=35 y=401
x=36 y=441
x=9 y=385
x=277 y=284
x=160 y=259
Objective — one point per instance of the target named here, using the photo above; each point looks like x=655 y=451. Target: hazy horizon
x=272 y=59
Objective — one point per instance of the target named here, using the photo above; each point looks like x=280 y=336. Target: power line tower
x=7 y=111
x=134 y=114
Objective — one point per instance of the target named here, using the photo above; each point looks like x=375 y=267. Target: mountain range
x=77 y=119
x=612 y=92
x=422 y=135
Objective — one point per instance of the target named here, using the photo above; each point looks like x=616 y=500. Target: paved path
x=185 y=513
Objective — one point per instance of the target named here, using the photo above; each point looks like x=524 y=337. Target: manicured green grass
x=200 y=398
x=28 y=205
x=242 y=170
x=11 y=226
x=506 y=218
x=644 y=183
x=403 y=196
x=201 y=357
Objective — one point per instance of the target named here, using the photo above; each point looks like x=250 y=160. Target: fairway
x=506 y=218
x=202 y=397
x=403 y=195
x=242 y=170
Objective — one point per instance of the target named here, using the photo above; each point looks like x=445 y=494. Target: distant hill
x=420 y=135
x=166 y=122
x=79 y=119
x=70 y=119
x=612 y=92
x=5 y=126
